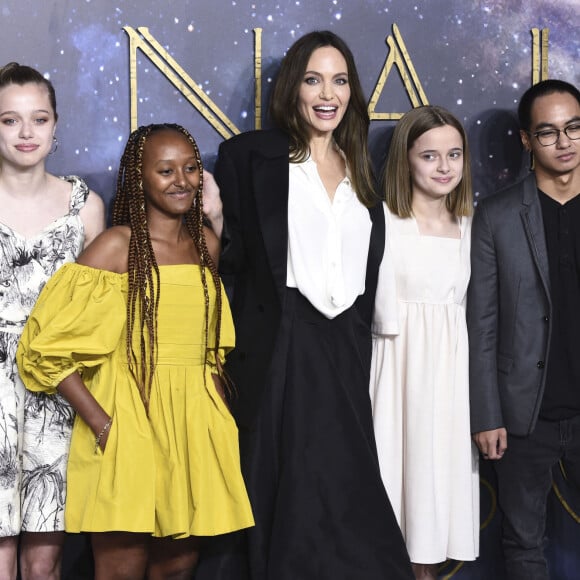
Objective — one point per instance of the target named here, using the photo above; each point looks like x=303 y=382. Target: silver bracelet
x=98 y=438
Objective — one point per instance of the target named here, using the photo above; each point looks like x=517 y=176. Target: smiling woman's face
x=170 y=173
x=325 y=91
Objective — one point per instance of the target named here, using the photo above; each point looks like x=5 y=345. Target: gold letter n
x=140 y=38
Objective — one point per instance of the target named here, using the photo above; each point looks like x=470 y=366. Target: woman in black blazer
x=303 y=242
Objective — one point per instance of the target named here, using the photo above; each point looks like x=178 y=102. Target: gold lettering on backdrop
x=539 y=54
x=258 y=78
x=398 y=56
x=140 y=38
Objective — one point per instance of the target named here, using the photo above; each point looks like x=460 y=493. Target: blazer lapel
x=270 y=175
x=534 y=228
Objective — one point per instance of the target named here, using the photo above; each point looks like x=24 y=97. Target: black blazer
x=508 y=310
x=252 y=173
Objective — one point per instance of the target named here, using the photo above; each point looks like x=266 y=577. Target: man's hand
x=492 y=444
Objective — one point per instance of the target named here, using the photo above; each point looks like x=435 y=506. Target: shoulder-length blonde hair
x=397 y=184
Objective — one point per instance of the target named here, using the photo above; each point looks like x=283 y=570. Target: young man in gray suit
x=523 y=314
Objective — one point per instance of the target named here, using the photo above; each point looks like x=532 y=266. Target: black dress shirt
x=562 y=228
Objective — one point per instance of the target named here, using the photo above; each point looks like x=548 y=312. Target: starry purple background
x=471 y=56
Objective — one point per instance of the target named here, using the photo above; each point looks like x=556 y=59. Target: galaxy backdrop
x=473 y=57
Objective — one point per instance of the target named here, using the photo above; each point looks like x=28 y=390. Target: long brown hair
x=143 y=271
x=397 y=183
x=351 y=135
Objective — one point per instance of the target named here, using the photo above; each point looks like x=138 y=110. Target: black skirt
x=311 y=465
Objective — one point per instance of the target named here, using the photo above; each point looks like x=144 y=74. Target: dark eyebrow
x=188 y=160
x=542 y=126
x=436 y=151
x=318 y=74
x=45 y=111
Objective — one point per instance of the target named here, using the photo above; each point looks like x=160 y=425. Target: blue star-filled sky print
x=473 y=57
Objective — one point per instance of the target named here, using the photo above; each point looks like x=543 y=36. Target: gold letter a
x=398 y=56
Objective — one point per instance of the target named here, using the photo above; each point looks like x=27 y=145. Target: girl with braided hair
x=134 y=336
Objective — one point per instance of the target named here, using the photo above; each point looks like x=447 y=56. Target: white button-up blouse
x=328 y=241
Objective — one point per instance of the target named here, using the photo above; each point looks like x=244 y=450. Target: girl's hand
x=102 y=436
x=212 y=203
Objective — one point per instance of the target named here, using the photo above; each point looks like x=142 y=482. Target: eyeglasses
x=549 y=137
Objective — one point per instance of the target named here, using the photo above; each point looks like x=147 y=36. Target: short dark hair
x=19 y=74
x=538 y=90
x=351 y=135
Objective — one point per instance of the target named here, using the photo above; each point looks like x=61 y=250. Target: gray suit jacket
x=508 y=310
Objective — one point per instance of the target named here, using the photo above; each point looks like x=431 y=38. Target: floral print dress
x=34 y=428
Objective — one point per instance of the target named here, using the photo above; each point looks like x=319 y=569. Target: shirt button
x=540 y=364
x=546 y=318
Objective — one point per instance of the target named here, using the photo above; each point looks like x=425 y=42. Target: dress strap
x=79 y=194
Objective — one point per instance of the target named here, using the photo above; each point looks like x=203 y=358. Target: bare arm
x=213 y=245
x=219 y=387
x=212 y=204
x=93 y=217
x=109 y=251
x=82 y=401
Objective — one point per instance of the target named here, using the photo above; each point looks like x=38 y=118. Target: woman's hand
x=212 y=203
x=87 y=407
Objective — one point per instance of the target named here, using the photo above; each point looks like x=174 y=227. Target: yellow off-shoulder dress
x=174 y=472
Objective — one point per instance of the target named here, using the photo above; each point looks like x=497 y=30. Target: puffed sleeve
x=227 y=333
x=76 y=323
